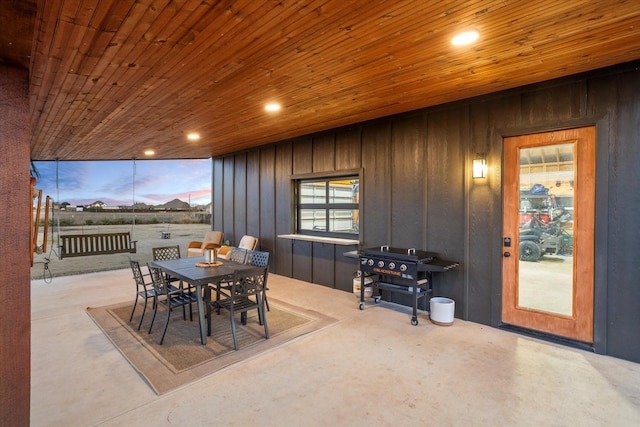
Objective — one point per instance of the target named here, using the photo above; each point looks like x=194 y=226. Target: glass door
x=548 y=211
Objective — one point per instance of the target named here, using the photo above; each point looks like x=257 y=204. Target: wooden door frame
x=579 y=325
x=603 y=134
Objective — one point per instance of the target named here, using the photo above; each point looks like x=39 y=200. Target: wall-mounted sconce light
x=479 y=167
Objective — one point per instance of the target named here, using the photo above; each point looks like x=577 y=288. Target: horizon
x=129 y=205
x=82 y=183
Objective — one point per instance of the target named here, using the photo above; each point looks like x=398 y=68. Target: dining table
x=200 y=275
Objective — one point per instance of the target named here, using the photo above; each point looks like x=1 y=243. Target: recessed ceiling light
x=149 y=152
x=465 y=38
x=272 y=107
x=193 y=136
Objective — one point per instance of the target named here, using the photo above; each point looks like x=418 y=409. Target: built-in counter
x=320 y=239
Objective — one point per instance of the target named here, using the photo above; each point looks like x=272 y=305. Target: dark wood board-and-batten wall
x=416 y=191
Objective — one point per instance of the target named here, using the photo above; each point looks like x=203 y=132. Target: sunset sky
x=156 y=181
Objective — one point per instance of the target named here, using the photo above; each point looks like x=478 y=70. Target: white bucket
x=368 y=290
x=441 y=310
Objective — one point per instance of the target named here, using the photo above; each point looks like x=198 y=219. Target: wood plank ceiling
x=111 y=78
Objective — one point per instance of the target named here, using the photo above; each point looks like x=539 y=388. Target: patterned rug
x=181 y=359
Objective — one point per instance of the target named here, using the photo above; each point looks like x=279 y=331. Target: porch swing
x=76 y=245
x=36 y=197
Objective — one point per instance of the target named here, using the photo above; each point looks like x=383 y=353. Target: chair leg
x=155 y=310
x=233 y=330
x=259 y=302
x=134 y=307
x=266 y=302
x=144 y=309
x=218 y=299
x=166 y=324
x=263 y=319
x=188 y=290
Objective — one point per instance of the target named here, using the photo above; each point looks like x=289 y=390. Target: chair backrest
x=238 y=255
x=159 y=282
x=213 y=237
x=258 y=258
x=249 y=282
x=166 y=252
x=248 y=242
x=137 y=273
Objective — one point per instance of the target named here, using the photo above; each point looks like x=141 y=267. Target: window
x=328 y=206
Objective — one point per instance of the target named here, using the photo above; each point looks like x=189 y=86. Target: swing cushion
x=73 y=245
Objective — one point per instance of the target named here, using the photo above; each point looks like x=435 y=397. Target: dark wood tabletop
x=186 y=270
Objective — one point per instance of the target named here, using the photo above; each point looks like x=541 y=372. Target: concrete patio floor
x=371 y=368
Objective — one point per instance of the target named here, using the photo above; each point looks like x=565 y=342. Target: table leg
x=207 y=301
x=201 y=321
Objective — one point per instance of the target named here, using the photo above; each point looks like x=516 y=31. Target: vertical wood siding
x=253 y=193
x=266 y=214
x=217 y=191
x=283 y=209
x=375 y=188
x=417 y=191
x=623 y=292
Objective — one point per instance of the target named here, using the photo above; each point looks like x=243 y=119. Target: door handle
x=507 y=254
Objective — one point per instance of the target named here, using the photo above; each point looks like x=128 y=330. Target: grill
x=404 y=271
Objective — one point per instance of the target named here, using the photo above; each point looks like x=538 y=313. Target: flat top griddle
x=401 y=270
x=403 y=254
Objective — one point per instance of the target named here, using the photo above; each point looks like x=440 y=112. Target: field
x=148 y=236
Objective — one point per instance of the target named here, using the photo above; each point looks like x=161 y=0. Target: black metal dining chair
x=260 y=259
x=245 y=294
x=238 y=255
x=173 y=298
x=164 y=253
x=144 y=289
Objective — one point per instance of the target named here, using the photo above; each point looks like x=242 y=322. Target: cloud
x=112 y=182
x=71 y=176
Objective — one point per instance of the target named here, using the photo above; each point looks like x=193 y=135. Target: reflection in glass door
x=545 y=235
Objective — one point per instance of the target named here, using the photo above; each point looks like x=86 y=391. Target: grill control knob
x=370 y=262
x=403 y=267
x=392 y=265
x=380 y=264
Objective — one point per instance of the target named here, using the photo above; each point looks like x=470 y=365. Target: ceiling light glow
x=149 y=152
x=193 y=136
x=465 y=38
x=272 y=107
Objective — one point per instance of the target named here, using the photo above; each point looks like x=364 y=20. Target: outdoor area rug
x=182 y=359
